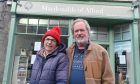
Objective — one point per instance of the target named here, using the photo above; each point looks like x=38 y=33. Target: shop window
x=93 y=36
x=102 y=30
x=102 y=37
x=117 y=36
x=122 y=61
x=21 y=28
x=53 y=22
x=32 y=26
x=126 y=36
x=122 y=32
x=125 y=28
x=22 y=25
x=63 y=23
x=42 y=27
x=64 y=30
x=99 y=33
x=64 y=40
x=117 y=29
x=30 y=31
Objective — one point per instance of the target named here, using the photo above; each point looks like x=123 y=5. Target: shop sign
x=74 y=10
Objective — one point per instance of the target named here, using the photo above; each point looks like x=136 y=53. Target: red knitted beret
x=55 y=33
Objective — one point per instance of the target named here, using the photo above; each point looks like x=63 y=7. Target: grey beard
x=82 y=42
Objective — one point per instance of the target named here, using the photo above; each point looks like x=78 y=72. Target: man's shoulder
x=96 y=48
x=95 y=45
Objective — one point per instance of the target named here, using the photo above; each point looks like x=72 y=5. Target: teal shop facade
x=114 y=25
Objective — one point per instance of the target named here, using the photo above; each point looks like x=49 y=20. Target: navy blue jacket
x=51 y=70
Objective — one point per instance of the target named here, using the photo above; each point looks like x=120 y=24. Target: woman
x=51 y=64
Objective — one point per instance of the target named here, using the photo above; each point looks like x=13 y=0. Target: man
x=89 y=62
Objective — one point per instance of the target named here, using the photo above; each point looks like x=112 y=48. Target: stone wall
x=4 y=30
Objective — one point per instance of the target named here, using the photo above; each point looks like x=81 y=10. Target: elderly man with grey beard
x=88 y=61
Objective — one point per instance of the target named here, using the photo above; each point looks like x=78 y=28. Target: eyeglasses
x=52 y=40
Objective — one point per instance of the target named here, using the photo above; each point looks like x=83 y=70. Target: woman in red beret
x=51 y=64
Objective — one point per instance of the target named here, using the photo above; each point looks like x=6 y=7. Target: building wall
x=4 y=29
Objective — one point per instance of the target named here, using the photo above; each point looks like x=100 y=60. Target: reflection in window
x=42 y=29
x=102 y=37
x=126 y=36
x=32 y=26
x=43 y=24
x=64 y=31
x=22 y=25
x=31 y=29
x=102 y=30
x=53 y=22
x=93 y=36
x=122 y=32
x=40 y=26
x=117 y=36
x=21 y=28
x=63 y=23
x=33 y=21
x=23 y=21
x=117 y=29
x=99 y=34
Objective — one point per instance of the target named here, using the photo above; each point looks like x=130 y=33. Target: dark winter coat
x=51 y=70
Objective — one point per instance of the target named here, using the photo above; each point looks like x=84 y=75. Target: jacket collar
x=89 y=47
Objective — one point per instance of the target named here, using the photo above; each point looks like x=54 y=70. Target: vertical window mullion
x=48 y=24
x=37 y=27
x=121 y=32
x=27 y=25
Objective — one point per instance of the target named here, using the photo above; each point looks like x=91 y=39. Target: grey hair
x=81 y=20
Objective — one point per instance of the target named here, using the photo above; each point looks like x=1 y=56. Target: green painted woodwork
x=136 y=13
x=111 y=49
x=9 y=55
x=70 y=38
x=135 y=65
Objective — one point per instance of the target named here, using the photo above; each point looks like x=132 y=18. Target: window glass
x=125 y=28
x=21 y=28
x=102 y=30
x=63 y=22
x=22 y=24
x=93 y=30
x=42 y=27
x=32 y=26
x=122 y=32
x=117 y=29
x=99 y=33
x=102 y=37
x=64 y=30
x=117 y=36
x=53 y=22
x=126 y=36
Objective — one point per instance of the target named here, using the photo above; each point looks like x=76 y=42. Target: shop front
x=115 y=27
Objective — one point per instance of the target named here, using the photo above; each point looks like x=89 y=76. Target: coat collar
x=72 y=47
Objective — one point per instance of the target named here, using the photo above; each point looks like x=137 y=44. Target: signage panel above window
x=74 y=10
